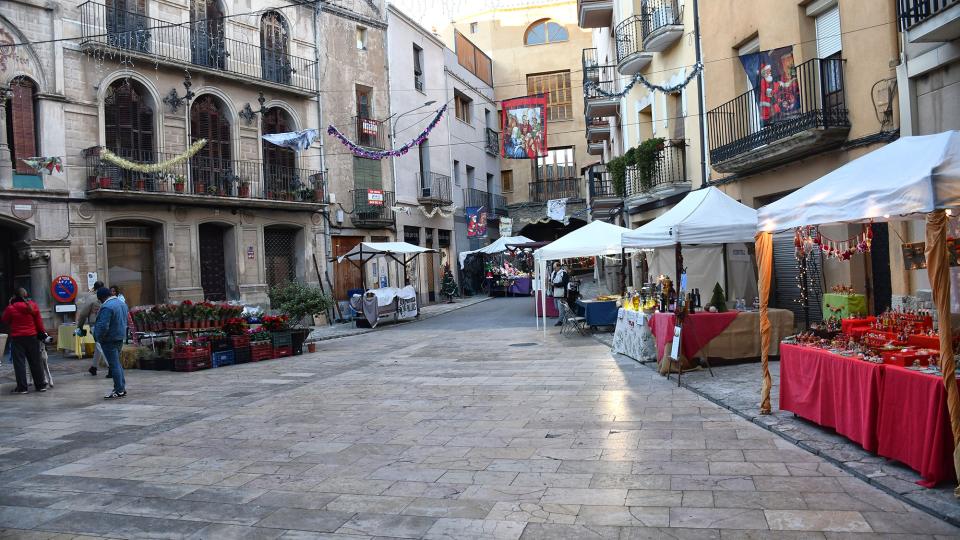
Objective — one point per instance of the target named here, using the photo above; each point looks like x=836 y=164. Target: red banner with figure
x=524 y=127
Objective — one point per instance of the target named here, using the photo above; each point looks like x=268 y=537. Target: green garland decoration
x=109 y=156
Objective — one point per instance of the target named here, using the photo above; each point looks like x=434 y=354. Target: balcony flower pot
x=139 y=184
x=200 y=188
x=318 y=195
x=244 y=190
x=178 y=187
x=105 y=182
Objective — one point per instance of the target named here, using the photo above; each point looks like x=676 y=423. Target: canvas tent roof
x=365 y=250
x=497 y=246
x=594 y=238
x=705 y=216
x=908 y=176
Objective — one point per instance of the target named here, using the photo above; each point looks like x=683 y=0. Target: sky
x=437 y=13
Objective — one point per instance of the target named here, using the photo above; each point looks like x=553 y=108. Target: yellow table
x=67 y=340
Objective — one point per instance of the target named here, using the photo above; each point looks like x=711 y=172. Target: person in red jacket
x=25 y=327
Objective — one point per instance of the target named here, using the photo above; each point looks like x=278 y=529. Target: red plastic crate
x=240 y=342
x=194 y=363
x=261 y=351
x=280 y=352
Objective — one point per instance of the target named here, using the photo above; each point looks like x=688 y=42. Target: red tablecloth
x=833 y=391
x=551 y=306
x=698 y=330
x=914 y=424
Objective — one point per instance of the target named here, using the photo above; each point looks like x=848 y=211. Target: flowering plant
x=259 y=334
x=235 y=326
x=276 y=323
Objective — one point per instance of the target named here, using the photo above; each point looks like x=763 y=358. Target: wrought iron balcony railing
x=208 y=177
x=629 y=36
x=914 y=12
x=561 y=188
x=604 y=81
x=201 y=45
x=435 y=188
x=494 y=203
x=371 y=212
x=589 y=59
x=370 y=133
x=492 y=143
x=600 y=184
x=670 y=168
x=813 y=99
x=659 y=14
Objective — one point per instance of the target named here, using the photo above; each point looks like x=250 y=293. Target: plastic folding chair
x=572 y=321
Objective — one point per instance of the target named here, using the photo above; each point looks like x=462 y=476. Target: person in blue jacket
x=110 y=331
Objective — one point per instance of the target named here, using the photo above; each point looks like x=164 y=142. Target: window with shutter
x=279 y=163
x=828 y=32
x=128 y=121
x=21 y=124
x=274 y=43
x=211 y=168
x=207 y=33
x=559 y=95
x=127 y=25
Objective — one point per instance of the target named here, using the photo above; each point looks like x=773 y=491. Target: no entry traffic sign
x=63 y=289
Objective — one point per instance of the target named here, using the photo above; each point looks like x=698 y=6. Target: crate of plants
x=284 y=351
x=236 y=330
x=260 y=346
x=218 y=340
x=300 y=303
x=279 y=328
x=241 y=355
x=191 y=355
x=222 y=358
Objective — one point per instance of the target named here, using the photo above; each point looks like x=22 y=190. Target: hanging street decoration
x=359 y=151
x=48 y=164
x=145 y=168
x=524 y=127
x=639 y=78
x=805 y=238
x=476 y=222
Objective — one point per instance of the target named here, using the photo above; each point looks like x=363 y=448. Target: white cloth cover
x=497 y=246
x=370 y=249
x=386 y=295
x=704 y=266
x=594 y=238
x=908 y=176
x=557 y=209
x=704 y=216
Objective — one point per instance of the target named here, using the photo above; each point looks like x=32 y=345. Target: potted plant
x=139 y=183
x=105 y=182
x=300 y=303
x=244 y=189
x=305 y=193
x=178 y=183
x=213 y=189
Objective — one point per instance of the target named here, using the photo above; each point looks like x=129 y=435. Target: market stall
x=593 y=239
x=385 y=303
x=632 y=336
x=911 y=177
x=693 y=222
x=500 y=276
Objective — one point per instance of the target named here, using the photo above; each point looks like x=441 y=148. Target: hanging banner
x=524 y=127
x=557 y=209
x=774 y=78
x=476 y=222
x=506 y=226
x=375 y=197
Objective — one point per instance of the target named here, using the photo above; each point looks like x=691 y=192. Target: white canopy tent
x=593 y=239
x=401 y=252
x=705 y=216
x=497 y=246
x=908 y=176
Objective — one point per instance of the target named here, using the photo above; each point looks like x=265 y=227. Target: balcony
x=929 y=21
x=663 y=24
x=370 y=133
x=492 y=142
x=603 y=194
x=590 y=64
x=205 y=182
x=631 y=57
x=369 y=213
x=542 y=191
x=182 y=45
x=596 y=101
x=494 y=203
x=594 y=13
x=435 y=189
x=804 y=118
x=667 y=177
x=598 y=129
x=595 y=148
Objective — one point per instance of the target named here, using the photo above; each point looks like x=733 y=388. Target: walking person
x=110 y=332
x=25 y=329
x=44 y=340
x=87 y=310
x=559 y=279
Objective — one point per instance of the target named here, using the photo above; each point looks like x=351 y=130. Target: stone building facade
x=145 y=80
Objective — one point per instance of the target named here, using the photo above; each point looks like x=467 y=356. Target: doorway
x=131 y=261
x=213 y=268
x=882 y=293
x=346 y=275
x=14 y=271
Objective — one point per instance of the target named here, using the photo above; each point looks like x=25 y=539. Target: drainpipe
x=327 y=237
x=700 y=96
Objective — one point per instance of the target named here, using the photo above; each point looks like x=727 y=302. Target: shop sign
x=370 y=127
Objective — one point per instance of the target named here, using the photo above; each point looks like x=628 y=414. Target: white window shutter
x=828 y=32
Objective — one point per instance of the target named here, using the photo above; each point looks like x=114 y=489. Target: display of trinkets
x=905 y=322
x=842 y=289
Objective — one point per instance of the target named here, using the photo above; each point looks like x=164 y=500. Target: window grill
x=279 y=246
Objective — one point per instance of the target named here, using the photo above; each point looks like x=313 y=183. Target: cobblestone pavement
x=470 y=425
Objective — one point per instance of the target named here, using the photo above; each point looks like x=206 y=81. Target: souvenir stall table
x=869 y=381
x=598 y=312
x=632 y=336
x=387 y=303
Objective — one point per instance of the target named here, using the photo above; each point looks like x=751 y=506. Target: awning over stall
x=705 y=216
x=497 y=246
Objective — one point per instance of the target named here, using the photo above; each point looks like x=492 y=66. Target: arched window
x=207 y=45
x=22 y=124
x=127 y=24
x=128 y=120
x=279 y=163
x=274 y=48
x=211 y=169
x=545 y=31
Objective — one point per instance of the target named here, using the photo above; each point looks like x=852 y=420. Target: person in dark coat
x=26 y=331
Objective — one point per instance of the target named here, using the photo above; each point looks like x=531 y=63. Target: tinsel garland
x=109 y=156
x=359 y=151
x=436 y=210
x=650 y=86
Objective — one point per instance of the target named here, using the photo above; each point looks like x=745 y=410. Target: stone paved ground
x=465 y=426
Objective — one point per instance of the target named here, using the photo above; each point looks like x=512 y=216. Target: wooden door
x=346 y=275
x=213 y=271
